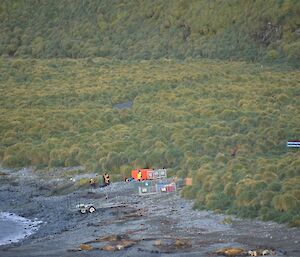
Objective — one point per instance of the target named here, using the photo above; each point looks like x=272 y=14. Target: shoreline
x=15 y=228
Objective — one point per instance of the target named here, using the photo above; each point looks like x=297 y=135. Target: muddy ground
x=126 y=224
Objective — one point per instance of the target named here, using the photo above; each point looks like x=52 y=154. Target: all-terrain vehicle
x=86 y=208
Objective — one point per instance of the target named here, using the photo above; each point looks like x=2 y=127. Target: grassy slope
x=152 y=29
x=187 y=116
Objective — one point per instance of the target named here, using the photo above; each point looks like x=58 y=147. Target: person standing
x=139 y=175
x=93 y=183
x=106 y=179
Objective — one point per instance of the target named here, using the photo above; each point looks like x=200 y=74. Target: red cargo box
x=145 y=173
x=171 y=188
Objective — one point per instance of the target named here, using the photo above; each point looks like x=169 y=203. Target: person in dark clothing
x=106 y=179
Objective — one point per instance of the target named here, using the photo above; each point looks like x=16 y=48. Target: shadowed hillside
x=251 y=30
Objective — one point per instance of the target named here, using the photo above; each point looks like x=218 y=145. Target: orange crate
x=145 y=173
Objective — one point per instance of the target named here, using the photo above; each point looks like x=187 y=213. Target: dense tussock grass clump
x=261 y=30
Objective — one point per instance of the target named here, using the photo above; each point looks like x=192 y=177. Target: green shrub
x=285 y=202
x=289 y=216
x=230 y=189
x=267 y=213
x=189 y=192
x=272 y=54
x=38 y=47
x=275 y=186
x=217 y=200
x=295 y=220
x=248 y=211
x=58 y=158
x=266 y=197
x=292 y=50
x=290 y=184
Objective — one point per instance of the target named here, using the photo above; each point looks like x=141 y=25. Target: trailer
x=91 y=208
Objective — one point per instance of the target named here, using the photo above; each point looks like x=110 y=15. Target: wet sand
x=156 y=225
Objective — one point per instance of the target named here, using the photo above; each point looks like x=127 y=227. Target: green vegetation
x=228 y=29
x=224 y=121
x=187 y=116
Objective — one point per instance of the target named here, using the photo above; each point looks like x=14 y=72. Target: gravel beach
x=126 y=224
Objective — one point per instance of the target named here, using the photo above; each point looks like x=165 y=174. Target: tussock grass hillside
x=223 y=123
x=69 y=67
x=232 y=29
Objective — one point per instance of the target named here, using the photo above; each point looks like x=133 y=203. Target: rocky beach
x=125 y=223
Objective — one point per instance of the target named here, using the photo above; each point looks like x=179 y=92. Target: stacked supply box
x=145 y=172
x=147 y=188
x=157 y=174
x=155 y=187
x=165 y=187
x=149 y=174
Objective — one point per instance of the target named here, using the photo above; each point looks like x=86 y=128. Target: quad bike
x=86 y=208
